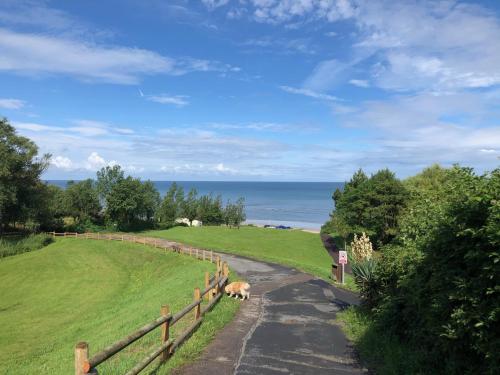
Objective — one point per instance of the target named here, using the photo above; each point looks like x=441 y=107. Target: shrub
x=365 y=279
x=19 y=245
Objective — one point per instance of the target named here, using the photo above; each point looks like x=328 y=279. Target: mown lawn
x=294 y=248
x=95 y=291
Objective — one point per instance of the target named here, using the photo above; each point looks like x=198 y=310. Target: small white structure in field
x=196 y=223
x=183 y=220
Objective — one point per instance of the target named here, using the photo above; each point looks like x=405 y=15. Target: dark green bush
x=439 y=282
x=18 y=245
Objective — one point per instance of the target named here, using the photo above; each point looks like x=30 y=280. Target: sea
x=305 y=205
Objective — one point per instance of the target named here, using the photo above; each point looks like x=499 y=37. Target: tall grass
x=17 y=245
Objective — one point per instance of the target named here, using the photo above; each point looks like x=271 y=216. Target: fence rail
x=214 y=286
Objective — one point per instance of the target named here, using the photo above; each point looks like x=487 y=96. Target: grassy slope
x=380 y=352
x=95 y=291
x=295 y=248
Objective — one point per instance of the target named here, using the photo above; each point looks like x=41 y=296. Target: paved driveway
x=287 y=327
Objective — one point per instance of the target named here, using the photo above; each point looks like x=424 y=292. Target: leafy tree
x=190 y=205
x=209 y=210
x=370 y=205
x=150 y=200
x=107 y=178
x=82 y=200
x=234 y=213
x=438 y=283
x=131 y=203
x=170 y=208
x=20 y=172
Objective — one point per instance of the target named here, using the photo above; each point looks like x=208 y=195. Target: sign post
x=343 y=260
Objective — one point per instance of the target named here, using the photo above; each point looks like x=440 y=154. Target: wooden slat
x=126 y=341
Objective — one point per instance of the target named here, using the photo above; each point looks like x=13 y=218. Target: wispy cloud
x=310 y=93
x=359 y=83
x=11 y=103
x=37 y=54
x=177 y=100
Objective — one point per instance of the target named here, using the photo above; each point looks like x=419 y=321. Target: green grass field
x=294 y=248
x=95 y=291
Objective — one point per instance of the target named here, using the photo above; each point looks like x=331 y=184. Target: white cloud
x=359 y=83
x=212 y=4
x=326 y=75
x=36 y=54
x=62 y=162
x=11 y=103
x=95 y=162
x=308 y=92
x=178 y=100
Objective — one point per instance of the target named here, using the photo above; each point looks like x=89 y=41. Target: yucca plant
x=365 y=279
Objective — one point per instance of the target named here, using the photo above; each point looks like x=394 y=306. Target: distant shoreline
x=303 y=226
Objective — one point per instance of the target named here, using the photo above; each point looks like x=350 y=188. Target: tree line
x=112 y=200
x=432 y=282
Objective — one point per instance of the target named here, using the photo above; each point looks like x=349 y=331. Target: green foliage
x=107 y=178
x=19 y=244
x=437 y=283
x=366 y=281
x=210 y=210
x=190 y=205
x=131 y=204
x=171 y=206
x=82 y=200
x=370 y=205
x=21 y=190
x=234 y=213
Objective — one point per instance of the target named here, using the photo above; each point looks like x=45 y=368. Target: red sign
x=342 y=257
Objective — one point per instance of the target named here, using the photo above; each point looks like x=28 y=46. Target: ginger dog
x=238 y=288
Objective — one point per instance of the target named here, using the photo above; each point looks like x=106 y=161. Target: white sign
x=342 y=257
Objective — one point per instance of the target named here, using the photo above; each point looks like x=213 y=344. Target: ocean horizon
x=305 y=205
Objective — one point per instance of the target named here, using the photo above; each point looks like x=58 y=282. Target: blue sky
x=272 y=90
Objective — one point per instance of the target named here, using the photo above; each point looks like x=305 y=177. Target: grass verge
x=96 y=291
x=378 y=351
x=294 y=248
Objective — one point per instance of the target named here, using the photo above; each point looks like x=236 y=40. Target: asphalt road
x=287 y=327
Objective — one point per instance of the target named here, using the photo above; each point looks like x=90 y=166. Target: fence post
x=165 y=332
x=207 y=283
x=98 y=236
x=76 y=235
x=53 y=233
x=64 y=234
x=204 y=254
x=217 y=278
x=217 y=261
x=226 y=270
x=122 y=237
x=81 y=357
x=211 y=256
x=197 y=309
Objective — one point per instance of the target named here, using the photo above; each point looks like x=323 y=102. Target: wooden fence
x=214 y=289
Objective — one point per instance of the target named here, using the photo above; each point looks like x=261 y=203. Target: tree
x=190 y=205
x=438 y=282
x=150 y=200
x=131 y=204
x=170 y=206
x=210 y=210
x=123 y=202
x=82 y=200
x=20 y=172
x=371 y=205
x=107 y=178
x=234 y=213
